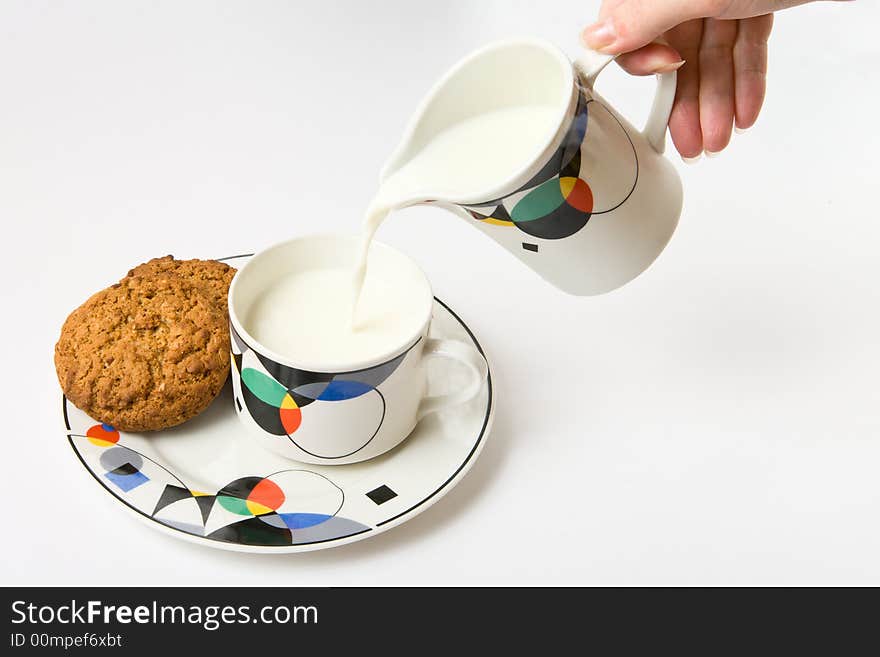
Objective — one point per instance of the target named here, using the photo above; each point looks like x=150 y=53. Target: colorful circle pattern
x=276 y=397
x=284 y=508
x=102 y=435
x=558 y=201
x=251 y=496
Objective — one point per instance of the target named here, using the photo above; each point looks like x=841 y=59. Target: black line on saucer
x=327 y=479
x=530 y=247
x=235 y=257
x=143 y=456
x=482 y=430
x=64 y=410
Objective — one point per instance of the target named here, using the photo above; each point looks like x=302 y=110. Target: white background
x=717 y=421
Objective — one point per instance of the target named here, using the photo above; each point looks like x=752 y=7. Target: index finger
x=632 y=24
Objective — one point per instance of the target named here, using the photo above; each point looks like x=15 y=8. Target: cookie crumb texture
x=210 y=276
x=145 y=354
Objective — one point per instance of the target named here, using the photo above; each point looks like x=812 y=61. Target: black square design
x=530 y=247
x=238 y=403
x=382 y=494
x=125 y=469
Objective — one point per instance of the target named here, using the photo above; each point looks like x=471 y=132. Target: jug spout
x=486 y=83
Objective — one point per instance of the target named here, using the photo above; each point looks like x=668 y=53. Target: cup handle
x=470 y=358
x=591 y=63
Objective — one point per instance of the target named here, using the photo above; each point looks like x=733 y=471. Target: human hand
x=720 y=47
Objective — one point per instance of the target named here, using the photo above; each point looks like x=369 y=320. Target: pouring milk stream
x=352 y=318
x=476 y=154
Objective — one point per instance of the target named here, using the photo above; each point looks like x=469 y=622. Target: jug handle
x=591 y=63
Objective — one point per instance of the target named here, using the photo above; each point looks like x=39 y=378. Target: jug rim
x=565 y=108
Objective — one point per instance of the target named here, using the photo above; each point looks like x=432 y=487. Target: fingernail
x=669 y=68
x=739 y=130
x=692 y=160
x=600 y=36
x=712 y=154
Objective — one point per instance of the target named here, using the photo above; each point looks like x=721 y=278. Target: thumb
x=635 y=23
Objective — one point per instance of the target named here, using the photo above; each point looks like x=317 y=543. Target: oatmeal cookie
x=145 y=354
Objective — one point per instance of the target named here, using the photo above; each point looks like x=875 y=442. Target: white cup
x=334 y=413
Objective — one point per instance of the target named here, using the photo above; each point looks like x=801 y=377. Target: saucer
x=209 y=482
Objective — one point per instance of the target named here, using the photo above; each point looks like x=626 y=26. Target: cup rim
x=325 y=368
x=567 y=103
